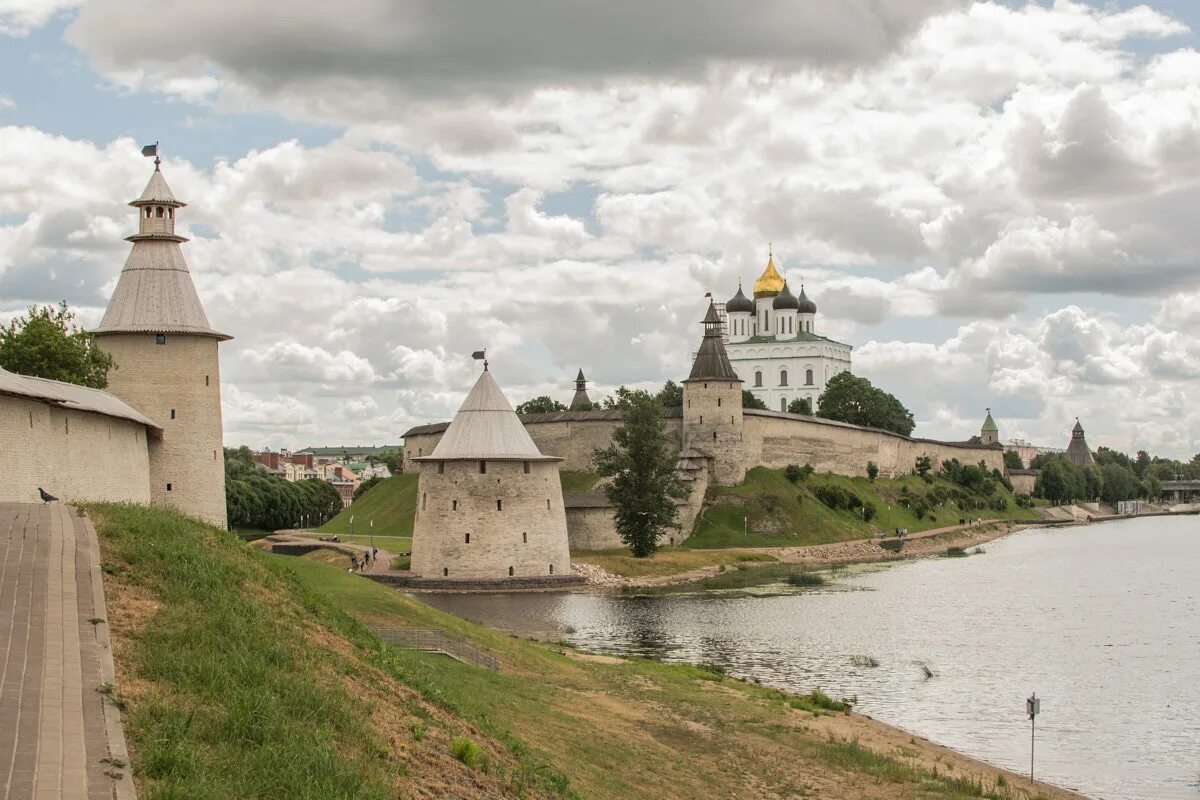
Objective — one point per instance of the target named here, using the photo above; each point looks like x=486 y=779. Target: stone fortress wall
x=176 y=384
x=76 y=455
x=458 y=508
x=770 y=439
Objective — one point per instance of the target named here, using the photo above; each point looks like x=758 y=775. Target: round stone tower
x=489 y=504
x=712 y=407
x=166 y=355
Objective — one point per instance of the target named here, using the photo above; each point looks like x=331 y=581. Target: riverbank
x=348 y=716
x=617 y=570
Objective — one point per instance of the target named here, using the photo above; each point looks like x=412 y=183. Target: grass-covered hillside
x=246 y=675
x=770 y=510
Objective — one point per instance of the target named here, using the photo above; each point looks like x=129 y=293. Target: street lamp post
x=1033 y=707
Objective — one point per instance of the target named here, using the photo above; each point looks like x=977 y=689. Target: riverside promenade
x=60 y=737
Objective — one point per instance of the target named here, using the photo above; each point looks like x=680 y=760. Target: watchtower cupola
x=156 y=209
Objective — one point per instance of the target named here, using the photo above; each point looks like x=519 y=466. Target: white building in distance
x=773 y=344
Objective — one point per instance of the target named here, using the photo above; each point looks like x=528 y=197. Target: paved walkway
x=59 y=736
x=381 y=565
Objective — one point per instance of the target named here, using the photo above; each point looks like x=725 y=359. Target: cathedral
x=773 y=344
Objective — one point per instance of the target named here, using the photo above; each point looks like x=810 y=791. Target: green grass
x=392 y=504
x=779 y=513
x=667 y=561
x=578 y=481
x=240 y=706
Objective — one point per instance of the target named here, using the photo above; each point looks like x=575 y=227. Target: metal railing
x=436 y=640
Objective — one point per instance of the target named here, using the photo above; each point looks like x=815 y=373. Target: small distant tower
x=167 y=362
x=712 y=406
x=581 y=401
x=1078 y=451
x=489 y=504
x=990 y=432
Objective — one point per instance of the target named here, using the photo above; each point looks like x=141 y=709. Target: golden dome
x=770 y=283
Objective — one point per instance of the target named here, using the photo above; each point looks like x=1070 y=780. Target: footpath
x=60 y=737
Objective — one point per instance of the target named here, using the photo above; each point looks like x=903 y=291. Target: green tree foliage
x=670 y=395
x=1093 y=482
x=922 y=465
x=254 y=499
x=849 y=398
x=47 y=343
x=1141 y=463
x=1119 y=482
x=801 y=405
x=1061 y=480
x=1151 y=487
x=540 y=405
x=750 y=401
x=1012 y=460
x=872 y=470
x=642 y=466
x=796 y=473
x=366 y=486
x=393 y=460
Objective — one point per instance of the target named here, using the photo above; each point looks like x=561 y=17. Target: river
x=1103 y=622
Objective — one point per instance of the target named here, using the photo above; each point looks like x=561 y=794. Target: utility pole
x=1033 y=707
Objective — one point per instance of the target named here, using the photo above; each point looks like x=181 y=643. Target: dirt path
x=381 y=563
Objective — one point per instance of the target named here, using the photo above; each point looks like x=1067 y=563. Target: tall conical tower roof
x=989 y=424
x=1078 y=450
x=712 y=362
x=486 y=429
x=581 y=401
x=155 y=293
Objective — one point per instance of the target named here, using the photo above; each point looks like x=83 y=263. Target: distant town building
x=773 y=344
x=350 y=453
x=1027 y=451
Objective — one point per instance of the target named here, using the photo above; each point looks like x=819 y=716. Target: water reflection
x=1103 y=622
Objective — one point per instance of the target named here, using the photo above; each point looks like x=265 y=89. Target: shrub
x=868 y=511
x=1024 y=501
x=872 y=470
x=999 y=503
x=792 y=472
x=833 y=496
x=805 y=579
x=466 y=751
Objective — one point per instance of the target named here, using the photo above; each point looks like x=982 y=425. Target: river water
x=1103 y=622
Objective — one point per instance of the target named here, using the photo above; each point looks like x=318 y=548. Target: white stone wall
x=74 y=455
x=771 y=359
x=460 y=533
x=187 y=470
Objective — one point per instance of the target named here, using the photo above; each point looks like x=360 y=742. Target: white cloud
x=19 y=17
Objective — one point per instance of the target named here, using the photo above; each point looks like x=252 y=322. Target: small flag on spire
x=708 y=294
x=150 y=150
x=478 y=355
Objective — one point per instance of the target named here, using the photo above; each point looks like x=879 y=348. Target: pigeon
x=46 y=496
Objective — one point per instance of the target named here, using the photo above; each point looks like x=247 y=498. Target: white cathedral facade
x=773 y=344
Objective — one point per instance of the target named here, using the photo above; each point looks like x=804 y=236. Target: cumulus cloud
x=19 y=17
x=363 y=52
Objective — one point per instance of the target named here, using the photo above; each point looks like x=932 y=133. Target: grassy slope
x=392 y=504
x=794 y=516
x=276 y=692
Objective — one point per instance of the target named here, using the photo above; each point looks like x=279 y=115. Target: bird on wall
x=46 y=496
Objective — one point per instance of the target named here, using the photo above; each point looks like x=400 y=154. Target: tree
x=801 y=405
x=872 y=470
x=1119 y=483
x=47 y=343
x=1012 y=460
x=540 y=405
x=923 y=465
x=642 y=466
x=1151 y=487
x=849 y=398
x=1141 y=462
x=750 y=401
x=366 y=486
x=670 y=395
x=1093 y=482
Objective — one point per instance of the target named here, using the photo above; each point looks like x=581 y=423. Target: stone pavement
x=59 y=735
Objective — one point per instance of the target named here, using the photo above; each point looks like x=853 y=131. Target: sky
x=993 y=202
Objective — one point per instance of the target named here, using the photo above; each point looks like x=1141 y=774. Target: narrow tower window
x=524 y=537
x=525 y=466
x=547 y=503
x=808 y=377
x=147 y=212
x=701 y=419
x=206 y=380
x=445 y=572
x=160 y=338
x=168 y=487
x=783 y=377
x=718 y=402
x=172 y=413
x=482 y=467
x=454 y=505
x=423 y=497
x=758 y=378
x=551 y=569
x=510 y=572
x=441 y=467
x=499 y=505
x=466 y=538
x=158 y=212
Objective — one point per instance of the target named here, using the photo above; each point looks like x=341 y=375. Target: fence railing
x=436 y=640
